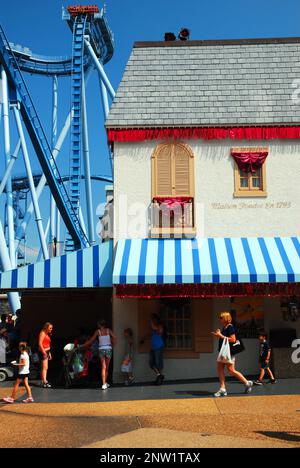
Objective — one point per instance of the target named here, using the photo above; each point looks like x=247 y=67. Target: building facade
x=206 y=149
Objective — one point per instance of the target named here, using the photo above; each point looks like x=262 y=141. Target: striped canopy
x=87 y=268
x=211 y=260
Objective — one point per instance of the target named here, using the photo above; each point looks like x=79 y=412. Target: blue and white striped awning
x=87 y=268
x=212 y=260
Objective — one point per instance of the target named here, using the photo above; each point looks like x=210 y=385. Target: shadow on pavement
x=286 y=436
x=194 y=393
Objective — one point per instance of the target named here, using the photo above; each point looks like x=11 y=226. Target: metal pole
x=31 y=184
x=82 y=221
x=12 y=161
x=87 y=167
x=13 y=297
x=100 y=69
x=105 y=106
x=58 y=230
x=9 y=196
x=54 y=137
x=23 y=226
x=39 y=257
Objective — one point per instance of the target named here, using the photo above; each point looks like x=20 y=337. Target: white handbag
x=224 y=354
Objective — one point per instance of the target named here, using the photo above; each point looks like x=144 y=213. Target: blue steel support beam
x=87 y=168
x=9 y=195
x=53 y=141
x=40 y=144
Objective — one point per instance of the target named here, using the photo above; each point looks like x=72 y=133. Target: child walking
x=23 y=374
x=126 y=366
x=264 y=359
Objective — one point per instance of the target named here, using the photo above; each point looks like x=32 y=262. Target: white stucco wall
x=218 y=213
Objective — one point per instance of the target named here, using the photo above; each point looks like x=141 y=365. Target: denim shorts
x=156 y=358
x=105 y=353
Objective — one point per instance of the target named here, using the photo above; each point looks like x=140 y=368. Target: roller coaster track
x=76 y=130
x=102 y=41
x=20 y=94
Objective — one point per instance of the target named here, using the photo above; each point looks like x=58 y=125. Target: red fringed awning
x=150 y=291
x=249 y=161
x=205 y=133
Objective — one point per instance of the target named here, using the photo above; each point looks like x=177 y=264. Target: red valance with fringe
x=150 y=291
x=249 y=161
x=205 y=133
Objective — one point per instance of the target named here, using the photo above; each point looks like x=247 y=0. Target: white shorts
x=126 y=367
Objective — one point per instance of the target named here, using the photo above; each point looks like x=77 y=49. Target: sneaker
x=258 y=382
x=104 y=386
x=131 y=380
x=222 y=392
x=28 y=400
x=160 y=379
x=273 y=381
x=47 y=385
x=156 y=381
x=108 y=385
x=8 y=400
x=248 y=386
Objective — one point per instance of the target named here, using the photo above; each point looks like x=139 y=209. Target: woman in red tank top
x=44 y=349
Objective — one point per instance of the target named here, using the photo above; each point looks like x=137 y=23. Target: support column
x=9 y=195
x=31 y=185
x=23 y=226
x=13 y=297
x=12 y=161
x=53 y=141
x=87 y=168
x=105 y=106
x=100 y=70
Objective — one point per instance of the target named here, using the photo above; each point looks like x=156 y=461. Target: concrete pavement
x=182 y=420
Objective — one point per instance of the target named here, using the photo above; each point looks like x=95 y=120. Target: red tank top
x=46 y=342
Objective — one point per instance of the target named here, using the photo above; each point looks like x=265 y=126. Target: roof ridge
x=213 y=42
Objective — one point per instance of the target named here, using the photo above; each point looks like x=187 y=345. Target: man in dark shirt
x=264 y=359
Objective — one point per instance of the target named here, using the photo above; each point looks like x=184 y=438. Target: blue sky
x=37 y=24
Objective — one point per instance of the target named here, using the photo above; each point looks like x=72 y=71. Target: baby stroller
x=75 y=364
x=6 y=372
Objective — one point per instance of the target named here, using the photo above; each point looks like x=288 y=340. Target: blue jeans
x=156 y=358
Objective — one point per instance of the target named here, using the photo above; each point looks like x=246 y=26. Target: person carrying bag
x=225 y=354
x=228 y=347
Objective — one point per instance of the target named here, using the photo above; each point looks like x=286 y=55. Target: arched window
x=172 y=171
x=173 y=191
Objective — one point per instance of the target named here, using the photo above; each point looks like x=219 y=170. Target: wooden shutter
x=172 y=171
x=203 y=325
x=145 y=309
x=182 y=162
x=163 y=173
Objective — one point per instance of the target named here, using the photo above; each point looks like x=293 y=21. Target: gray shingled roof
x=205 y=84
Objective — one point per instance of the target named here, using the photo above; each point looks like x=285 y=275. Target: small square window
x=249 y=184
